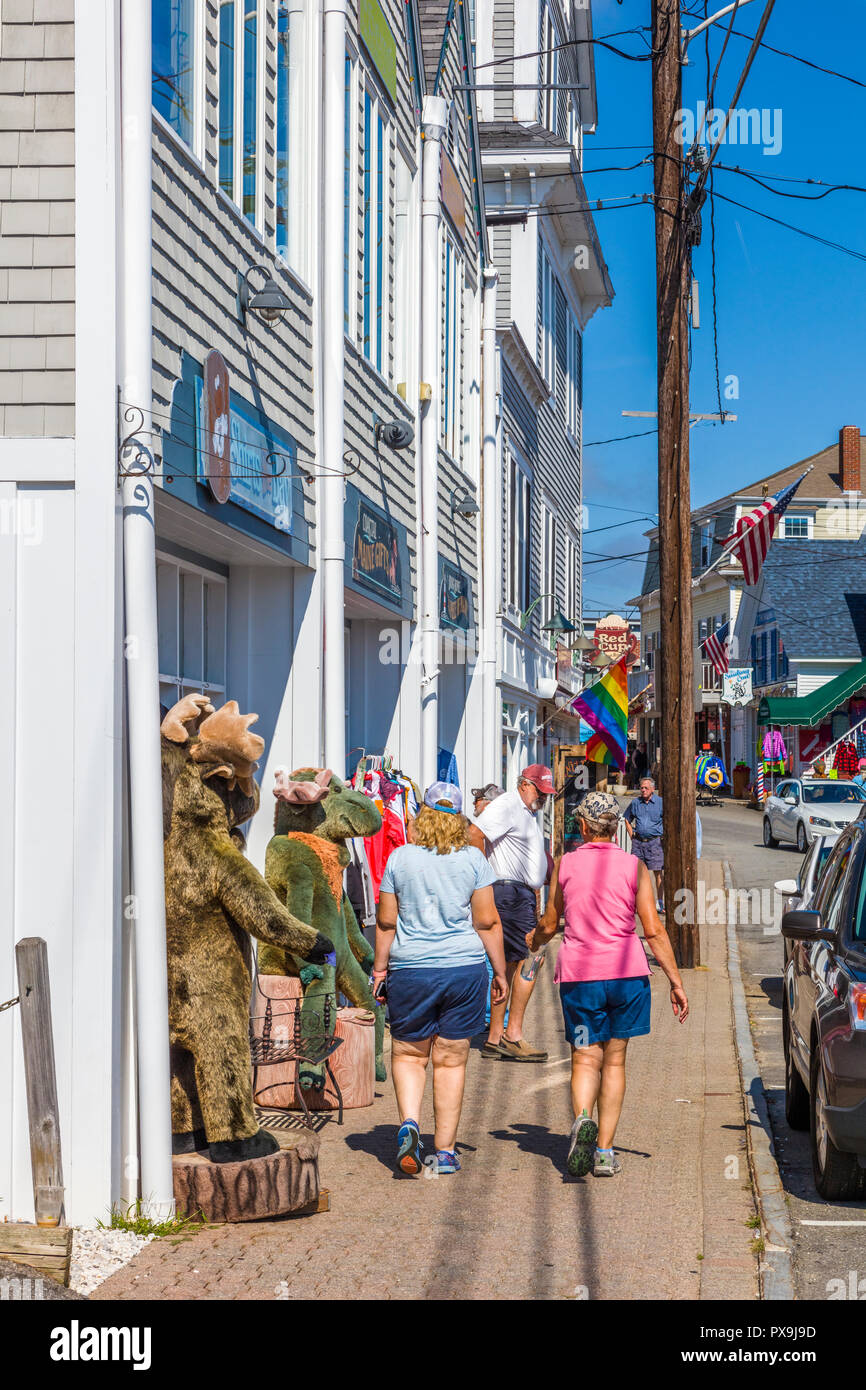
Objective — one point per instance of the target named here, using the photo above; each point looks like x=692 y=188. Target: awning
x=809 y=710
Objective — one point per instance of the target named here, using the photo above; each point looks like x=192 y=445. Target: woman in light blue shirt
x=437 y=918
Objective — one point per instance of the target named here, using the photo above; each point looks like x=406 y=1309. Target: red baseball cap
x=540 y=777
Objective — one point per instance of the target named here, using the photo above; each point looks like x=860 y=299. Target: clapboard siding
x=37 y=223
x=503 y=55
x=500 y=254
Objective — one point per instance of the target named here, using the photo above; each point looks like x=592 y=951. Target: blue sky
x=791 y=312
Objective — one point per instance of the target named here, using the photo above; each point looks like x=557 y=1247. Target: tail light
x=857 y=1005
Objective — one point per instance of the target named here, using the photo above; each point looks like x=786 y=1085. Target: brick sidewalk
x=511 y=1225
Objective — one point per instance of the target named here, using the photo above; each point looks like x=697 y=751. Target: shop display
x=316 y=814
x=710 y=771
x=215 y=900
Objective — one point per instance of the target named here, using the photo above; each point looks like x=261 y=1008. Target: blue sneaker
x=447 y=1161
x=409 y=1148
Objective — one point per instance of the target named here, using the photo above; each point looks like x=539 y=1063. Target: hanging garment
x=845 y=759
x=774 y=749
x=359 y=884
x=447 y=767
x=379 y=846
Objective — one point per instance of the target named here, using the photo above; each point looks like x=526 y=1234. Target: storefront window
x=173 y=63
x=191 y=616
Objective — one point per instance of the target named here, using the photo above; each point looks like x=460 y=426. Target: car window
x=833 y=793
x=832 y=897
x=807 y=865
x=858 y=924
x=830 y=878
x=782 y=788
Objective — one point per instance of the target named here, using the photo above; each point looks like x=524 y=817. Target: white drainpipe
x=331 y=538
x=139 y=582
x=491 y=566
x=432 y=126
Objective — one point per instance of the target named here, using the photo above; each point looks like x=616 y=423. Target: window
x=173 y=63
x=572 y=580
x=549 y=70
x=404 y=275
x=286 y=98
x=547 y=318
x=452 y=348
x=548 y=556
x=518 y=556
x=191 y=616
x=797 y=528
x=348 y=218
x=375 y=250
x=707 y=532
x=573 y=385
x=239 y=105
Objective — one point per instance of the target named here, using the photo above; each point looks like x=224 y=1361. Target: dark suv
x=824 y=1020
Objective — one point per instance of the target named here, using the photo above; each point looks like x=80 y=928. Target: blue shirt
x=646 y=816
x=434 y=917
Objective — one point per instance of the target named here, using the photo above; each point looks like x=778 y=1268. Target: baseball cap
x=488 y=792
x=438 y=792
x=540 y=777
x=595 y=804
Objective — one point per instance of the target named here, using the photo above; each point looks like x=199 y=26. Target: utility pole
x=675 y=548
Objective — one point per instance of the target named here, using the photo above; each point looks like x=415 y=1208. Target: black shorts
x=515 y=903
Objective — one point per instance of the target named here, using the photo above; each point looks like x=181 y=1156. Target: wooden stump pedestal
x=253 y=1189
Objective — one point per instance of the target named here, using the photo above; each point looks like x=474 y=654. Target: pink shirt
x=599 y=887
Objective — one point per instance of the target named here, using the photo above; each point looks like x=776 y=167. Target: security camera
x=395 y=433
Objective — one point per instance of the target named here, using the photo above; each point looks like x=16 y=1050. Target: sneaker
x=584 y=1133
x=409 y=1148
x=446 y=1162
x=606 y=1164
x=520 y=1051
x=492 y=1049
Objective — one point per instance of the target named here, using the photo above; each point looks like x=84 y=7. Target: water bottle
x=531 y=966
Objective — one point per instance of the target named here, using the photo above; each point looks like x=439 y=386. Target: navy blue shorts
x=605 y=1009
x=437 y=1002
x=518 y=913
x=650 y=852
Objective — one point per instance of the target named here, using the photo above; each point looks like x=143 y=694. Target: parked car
x=798 y=892
x=802 y=808
x=824 y=1019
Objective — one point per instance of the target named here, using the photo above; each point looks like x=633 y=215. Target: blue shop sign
x=455 y=597
x=254 y=484
x=377 y=553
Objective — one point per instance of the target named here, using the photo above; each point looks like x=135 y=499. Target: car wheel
x=838 y=1176
x=802 y=842
x=796 y=1095
x=770 y=840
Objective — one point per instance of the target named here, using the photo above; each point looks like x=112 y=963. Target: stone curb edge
x=776 y=1266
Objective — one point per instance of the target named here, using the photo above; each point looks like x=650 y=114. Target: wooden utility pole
x=675 y=549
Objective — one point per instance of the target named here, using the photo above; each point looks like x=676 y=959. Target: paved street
x=821 y=1253
x=511 y=1225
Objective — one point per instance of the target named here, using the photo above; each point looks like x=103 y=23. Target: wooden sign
x=571 y=778
x=216 y=444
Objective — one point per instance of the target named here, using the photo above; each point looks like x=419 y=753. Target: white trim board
x=37 y=460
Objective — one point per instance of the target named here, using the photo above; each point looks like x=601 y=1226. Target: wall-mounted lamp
x=269 y=303
x=463 y=503
x=397 y=434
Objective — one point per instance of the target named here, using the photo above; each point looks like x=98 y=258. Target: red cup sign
x=216 y=445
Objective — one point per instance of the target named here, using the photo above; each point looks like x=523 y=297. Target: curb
x=776 y=1266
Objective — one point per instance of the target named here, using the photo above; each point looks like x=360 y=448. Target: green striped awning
x=812 y=709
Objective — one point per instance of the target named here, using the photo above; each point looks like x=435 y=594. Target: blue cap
x=438 y=792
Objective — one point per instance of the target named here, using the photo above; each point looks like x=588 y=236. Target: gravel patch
x=98 y=1254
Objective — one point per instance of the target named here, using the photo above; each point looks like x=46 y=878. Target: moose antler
x=228 y=748
x=183 y=718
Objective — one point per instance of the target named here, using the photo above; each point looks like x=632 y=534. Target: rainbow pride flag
x=604 y=706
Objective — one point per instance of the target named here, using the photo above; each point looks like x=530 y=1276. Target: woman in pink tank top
x=603 y=974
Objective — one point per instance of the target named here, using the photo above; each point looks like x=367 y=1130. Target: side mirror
x=805 y=926
x=792 y=799
x=787 y=887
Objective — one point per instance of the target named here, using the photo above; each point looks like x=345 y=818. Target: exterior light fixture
x=397 y=434
x=583 y=644
x=269 y=303
x=463 y=503
x=558 y=623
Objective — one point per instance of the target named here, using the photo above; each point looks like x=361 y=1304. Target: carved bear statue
x=215 y=900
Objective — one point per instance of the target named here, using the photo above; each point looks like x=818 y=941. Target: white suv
x=802 y=808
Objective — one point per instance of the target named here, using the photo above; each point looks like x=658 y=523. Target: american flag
x=754 y=531
x=716 y=648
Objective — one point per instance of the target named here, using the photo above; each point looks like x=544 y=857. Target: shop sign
x=376 y=552
x=216 y=426
x=455 y=597
x=451 y=193
x=614 y=637
x=737 y=685
x=378 y=39
x=252 y=481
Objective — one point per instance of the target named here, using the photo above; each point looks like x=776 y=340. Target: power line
x=783 y=53
x=713 y=241
x=812 y=236
x=617 y=439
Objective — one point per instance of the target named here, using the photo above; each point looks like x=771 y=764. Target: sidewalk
x=511 y=1225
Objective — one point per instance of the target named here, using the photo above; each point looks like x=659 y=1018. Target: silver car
x=802 y=808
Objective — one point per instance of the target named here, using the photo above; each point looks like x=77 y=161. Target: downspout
x=490 y=528
x=433 y=122
x=332 y=543
x=140 y=624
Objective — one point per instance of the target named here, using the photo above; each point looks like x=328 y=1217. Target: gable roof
x=825 y=480
x=817 y=590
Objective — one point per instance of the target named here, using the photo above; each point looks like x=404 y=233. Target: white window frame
x=380 y=257
x=351 y=232
x=518 y=562
x=572 y=577
x=197 y=30
x=451 y=358
x=188 y=682
x=296 y=253
x=573 y=384
x=236 y=196
x=405 y=233
x=798 y=516
x=549 y=70
x=549 y=535
x=547 y=318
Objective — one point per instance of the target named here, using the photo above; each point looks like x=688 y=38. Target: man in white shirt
x=518 y=858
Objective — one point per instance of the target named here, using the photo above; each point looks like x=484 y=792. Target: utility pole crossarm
x=689 y=34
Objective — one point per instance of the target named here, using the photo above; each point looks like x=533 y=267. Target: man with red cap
x=519 y=861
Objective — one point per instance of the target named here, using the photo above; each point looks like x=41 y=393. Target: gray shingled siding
x=503 y=48
x=37 y=222
x=500 y=255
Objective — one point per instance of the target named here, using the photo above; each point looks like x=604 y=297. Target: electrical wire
x=575 y=43
x=617 y=439
x=783 y=53
x=711 y=82
x=812 y=236
x=713 y=241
